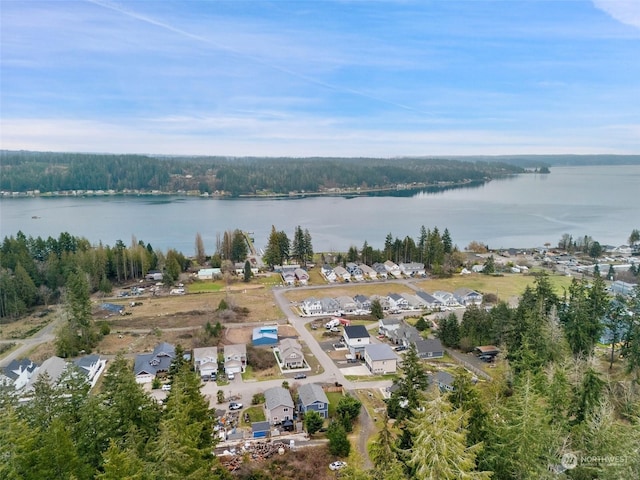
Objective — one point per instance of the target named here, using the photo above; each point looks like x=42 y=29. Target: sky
x=321 y=78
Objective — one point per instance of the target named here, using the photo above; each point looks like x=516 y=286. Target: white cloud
x=624 y=11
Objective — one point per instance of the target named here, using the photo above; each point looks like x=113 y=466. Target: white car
x=230 y=376
x=337 y=465
x=235 y=406
x=166 y=387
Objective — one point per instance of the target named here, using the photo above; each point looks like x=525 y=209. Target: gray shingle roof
x=429 y=345
x=277 y=396
x=311 y=393
x=380 y=351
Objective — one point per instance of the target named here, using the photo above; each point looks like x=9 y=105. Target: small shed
x=260 y=429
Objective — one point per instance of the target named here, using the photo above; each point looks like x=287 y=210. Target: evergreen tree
x=449 y=331
x=440 y=450
x=376 y=309
x=313 y=421
x=338 y=442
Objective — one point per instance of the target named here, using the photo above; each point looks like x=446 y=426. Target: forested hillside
x=50 y=172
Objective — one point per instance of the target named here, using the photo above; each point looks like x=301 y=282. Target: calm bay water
x=525 y=211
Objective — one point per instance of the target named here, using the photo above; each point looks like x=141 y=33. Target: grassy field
x=256 y=414
x=334 y=398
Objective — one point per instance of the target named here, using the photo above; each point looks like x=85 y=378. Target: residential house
x=328 y=273
x=404 y=335
x=239 y=268
x=265 y=335
x=291 y=354
x=311 y=396
x=429 y=348
x=301 y=276
x=278 y=405
x=368 y=272
x=235 y=358
x=363 y=303
x=444 y=380
x=347 y=304
x=413 y=301
x=342 y=274
x=429 y=301
x=52 y=368
x=384 y=302
x=466 y=296
x=387 y=325
x=412 y=269
x=380 y=359
x=447 y=299
x=205 y=361
x=18 y=373
x=149 y=365
x=154 y=276
x=356 y=337
x=397 y=302
x=330 y=306
x=288 y=275
x=91 y=366
x=311 y=306
x=381 y=270
x=355 y=271
x=209 y=273
x=392 y=269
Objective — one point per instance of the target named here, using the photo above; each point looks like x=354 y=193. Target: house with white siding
x=380 y=359
x=235 y=358
x=412 y=269
x=397 y=302
x=355 y=271
x=368 y=272
x=311 y=306
x=205 y=361
x=466 y=296
x=301 y=275
x=447 y=299
x=342 y=274
x=329 y=306
x=356 y=338
x=392 y=269
x=363 y=302
x=347 y=304
x=430 y=302
x=381 y=270
x=328 y=273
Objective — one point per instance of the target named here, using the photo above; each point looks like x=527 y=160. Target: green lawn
x=256 y=414
x=334 y=398
x=206 y=287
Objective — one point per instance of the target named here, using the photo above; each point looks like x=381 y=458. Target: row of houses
x=23 y=374
x=353 y=272
x=393 y=302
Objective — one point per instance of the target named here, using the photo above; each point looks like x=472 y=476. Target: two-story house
x=356 y=337
x=205 y=361
x=311 y=396
x=235 y=358
x=291 y=355
x=278 y=405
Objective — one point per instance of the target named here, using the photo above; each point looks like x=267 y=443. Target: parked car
x=337 y=465
x=230 y=376
x=400 y=348
x=235 y=406
x=166 y=387
x=300 y=376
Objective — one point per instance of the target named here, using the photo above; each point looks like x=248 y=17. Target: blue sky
x=335 y=78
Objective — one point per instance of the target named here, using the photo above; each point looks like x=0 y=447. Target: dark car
x=400 y=348
x=300 y=376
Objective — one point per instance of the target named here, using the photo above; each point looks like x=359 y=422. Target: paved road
x=24 y=345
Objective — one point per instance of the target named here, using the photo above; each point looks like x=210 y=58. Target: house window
x=285 y=409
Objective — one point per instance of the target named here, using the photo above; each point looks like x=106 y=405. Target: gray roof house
x=369 y=272
x=53 y=367
x=278 y=405
x=444 y=380
x=329 y=306
x=380 y=358
x=148 y=365
x=355 y=271
x=429 y=348
x=347 y=304
x=363 y=302
x=311 y=396
x=405 y=334
x=397 y=302
x=235 y=358
x=205 y=360
x=311 y=306
x=328 y=273
x=430 y=301
x=380 y=269
x=291 y=354
x=386 y=325
x=466 y=296
x=91 y=366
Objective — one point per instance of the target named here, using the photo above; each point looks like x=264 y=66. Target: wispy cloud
x=624 y=11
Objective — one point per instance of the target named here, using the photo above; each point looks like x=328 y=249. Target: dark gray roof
x=158 y=361
x=429 y=345
x=86 y=362
x=428 y=298
x=311 y=393
x=12 y=370
x=356 y=331
x=277 y=396
x=445 y=378
x=260 y=427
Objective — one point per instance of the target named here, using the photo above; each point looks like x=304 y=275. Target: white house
x=363 y=302
x=466 y=296
x=235 y=358
x=311 y=306
x=392 y=269
x=205 y=360
x=18 y=373
x=91 y=366
x=380 y=359
x=368 y=272
x=412 y=269
x=342 y=273
x=381 y=270
x=328 y=273
x=330 y=306
x=430 y=301
x=302 y=276
x=447 y=299
x=291 y=354
x=397 y=302
x=356 y=338
x=347 y=304
x=288 y=275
